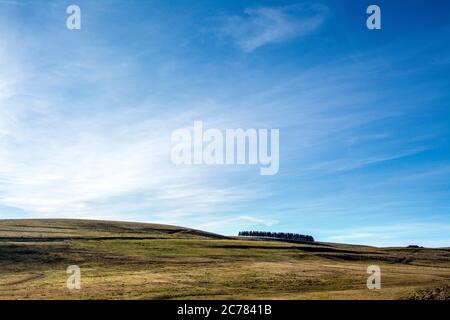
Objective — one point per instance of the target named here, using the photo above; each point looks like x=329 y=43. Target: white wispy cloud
x=101 y=162
x=244 y=221
x=355 y=163
x=268 y=25
x=62 y=167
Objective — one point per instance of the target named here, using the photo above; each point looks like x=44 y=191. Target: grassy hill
x=123 y=260
x=54 y=229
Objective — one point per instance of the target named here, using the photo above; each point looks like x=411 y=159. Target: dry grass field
x=121 y=260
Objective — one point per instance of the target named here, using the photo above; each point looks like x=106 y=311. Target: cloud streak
x=263 y=26
x=59 y=158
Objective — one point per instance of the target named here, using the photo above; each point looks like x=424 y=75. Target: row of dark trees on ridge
x=277 y=235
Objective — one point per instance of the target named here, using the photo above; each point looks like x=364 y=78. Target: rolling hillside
x=65 y=229
x=122 y=260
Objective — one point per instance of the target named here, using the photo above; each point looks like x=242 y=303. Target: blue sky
x=86 y=115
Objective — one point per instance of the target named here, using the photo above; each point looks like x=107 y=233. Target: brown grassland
x=121 y=260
